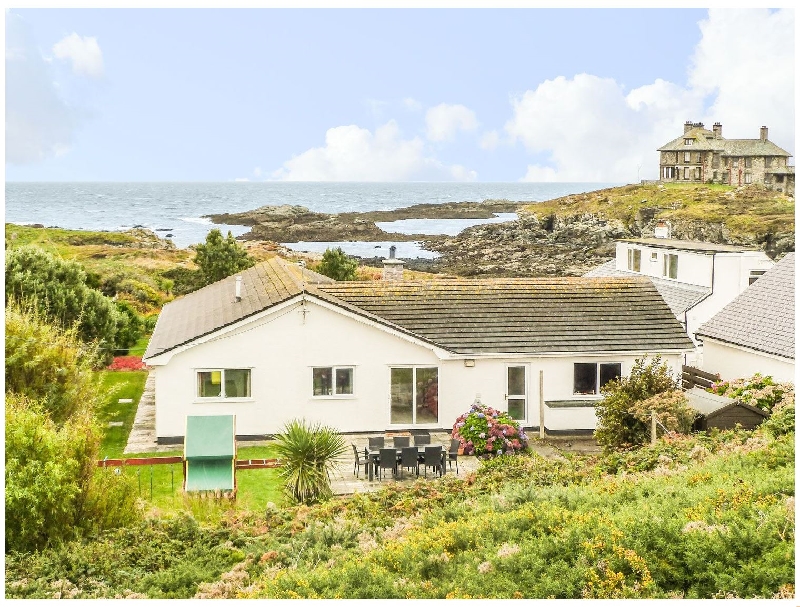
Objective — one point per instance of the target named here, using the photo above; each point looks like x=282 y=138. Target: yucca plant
x=308 y=453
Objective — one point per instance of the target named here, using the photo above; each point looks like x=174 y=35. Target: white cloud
x=490 y=140
x=352 y=153
x=444 y=121
x=38 y=122
x=83 y=52
x=412 y=104
x=591 y=130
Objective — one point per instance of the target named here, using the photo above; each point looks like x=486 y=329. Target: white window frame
x=334 y=395
x=523 y=397
x=633 y=253
x=597 y=386
x=222 y=396
x=687 y=156
x=413 y=423
x=688 y=141
x=665 y=268
x=653 y=256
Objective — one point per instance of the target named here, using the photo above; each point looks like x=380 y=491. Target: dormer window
x=688 y=141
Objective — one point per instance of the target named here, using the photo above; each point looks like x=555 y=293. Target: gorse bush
x=620 y=415
x=483 y=429
x=308 y=453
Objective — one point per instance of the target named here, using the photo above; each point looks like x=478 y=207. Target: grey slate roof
x=678 y=296
x=706 y=402
x=762 y=317
x=213 y=307
x=462 y=316
x=704 y=141
x=524 y=315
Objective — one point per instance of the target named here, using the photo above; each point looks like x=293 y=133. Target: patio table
x=374 y=456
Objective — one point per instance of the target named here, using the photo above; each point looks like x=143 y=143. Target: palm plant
x=308 y=453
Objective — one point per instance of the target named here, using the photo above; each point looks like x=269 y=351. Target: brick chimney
x=764 y=132
x=717 y=130
x=392 y=268
x=687 y=126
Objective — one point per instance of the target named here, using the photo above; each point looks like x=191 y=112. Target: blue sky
x=383 y=94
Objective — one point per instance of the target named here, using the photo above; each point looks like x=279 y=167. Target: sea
x=178 y=210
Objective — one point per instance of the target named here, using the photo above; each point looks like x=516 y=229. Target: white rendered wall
x=735 y=363
x=281 y=351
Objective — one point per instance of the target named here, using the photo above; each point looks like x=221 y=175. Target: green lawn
x=119 y=384
x=139 y=347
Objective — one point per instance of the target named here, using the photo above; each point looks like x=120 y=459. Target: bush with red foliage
x=127 y=363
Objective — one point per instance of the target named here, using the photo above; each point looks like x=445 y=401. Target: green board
x=209 y=475
x=209 y=436
x=210 y=452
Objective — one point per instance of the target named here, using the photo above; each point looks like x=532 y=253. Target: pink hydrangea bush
x=483 y=430
x=759 y=391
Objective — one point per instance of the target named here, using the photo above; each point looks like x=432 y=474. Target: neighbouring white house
x=696 y=279
x=281 y=342
x=755 y=332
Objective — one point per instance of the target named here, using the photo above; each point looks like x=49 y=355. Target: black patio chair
x=359 y=461
x=387 y=460
x=409 y=459
x=402 y=441
x=452 y=455
x=376 y=442
x=433 y=459
x=422 y=439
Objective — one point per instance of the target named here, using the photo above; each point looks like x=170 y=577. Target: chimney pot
x=764 y=133
x=238 y=292
x=687 y=126
x=393 y=268
x=392 y=251
x=717 y=130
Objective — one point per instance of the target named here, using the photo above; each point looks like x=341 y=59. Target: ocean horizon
x=177 y=210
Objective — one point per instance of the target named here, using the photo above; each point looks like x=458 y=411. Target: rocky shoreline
x=562 y=237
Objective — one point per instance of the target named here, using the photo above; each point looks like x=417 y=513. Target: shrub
x=126 y=363
x=617 y=425
x=759 y=391
x=486 y=430
x=220 y=257
x=129 y=327
x=53 y=489
x=672 y=409
x=337 y=265
x=308 y=454
x=49 y=364
x=781 y=421
x=58 y=290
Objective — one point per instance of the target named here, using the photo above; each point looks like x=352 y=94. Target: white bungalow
x=282 y=342
x=696 y=279
x=755 y=332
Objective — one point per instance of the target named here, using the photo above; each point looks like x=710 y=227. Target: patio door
x=517 y=391
x=414 y=397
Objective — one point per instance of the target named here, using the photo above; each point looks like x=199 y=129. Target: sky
x=571 y=95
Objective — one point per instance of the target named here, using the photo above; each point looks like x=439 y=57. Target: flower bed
x=127 y=363
x=486 y=430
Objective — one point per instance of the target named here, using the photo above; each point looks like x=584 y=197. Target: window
x=688 y=141
x=686 y=171
x=748 y=178
x=748 y=162
x=735 y=163
x=653 y=256
x=516 y=393
x=635 y=260
x=223 y=383
x=715 y=176
x=670 y=265
x=768 y=161
x=332 y=381
x=715 y=161
x=414 y=395
x=698 y=172
x=699 y=158
x=754 y=275
x=669 y=172
x=687 y=156
x=590 y=378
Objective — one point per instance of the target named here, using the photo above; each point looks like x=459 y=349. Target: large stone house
x=703 y=156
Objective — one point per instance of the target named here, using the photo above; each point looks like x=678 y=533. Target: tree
x=220 y=257
x=617 y=423
x=57 y=289
x=308 y=453
x=337 y=265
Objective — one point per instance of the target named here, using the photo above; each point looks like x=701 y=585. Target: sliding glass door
x=414 y=395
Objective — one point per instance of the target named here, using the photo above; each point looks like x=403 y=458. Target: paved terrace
x=142 y=439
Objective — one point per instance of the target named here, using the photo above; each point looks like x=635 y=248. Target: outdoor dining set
x=402 y=455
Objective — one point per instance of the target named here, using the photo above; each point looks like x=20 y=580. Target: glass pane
x=585 y=378
x=237 y=383
x=516 y=408
x=516 y=381
x=209 y=383
x=673 y=266
x=323 y=381
x=427 y=395
x=609 y=371
x=402 y=396
x=344 y=380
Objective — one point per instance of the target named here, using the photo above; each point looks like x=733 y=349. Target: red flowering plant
x=483 y=430
x=127 y=363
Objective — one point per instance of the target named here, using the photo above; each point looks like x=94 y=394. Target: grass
x=119 y=385
x=139 y=347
